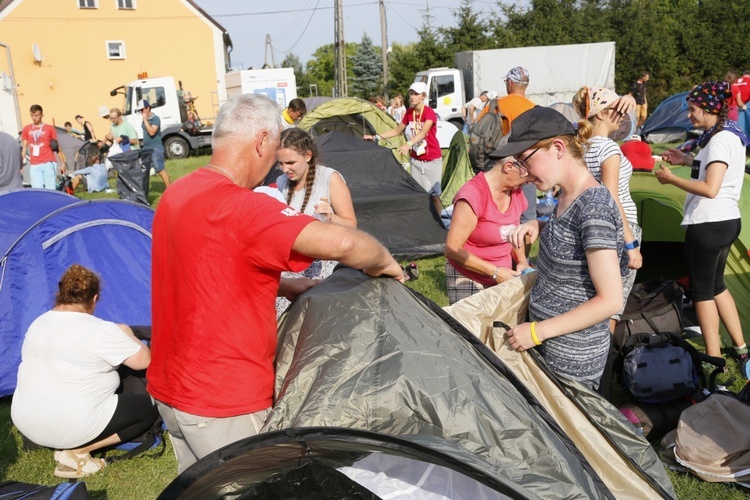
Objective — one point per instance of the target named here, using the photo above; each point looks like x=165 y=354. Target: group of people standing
x=221 y=250
x=589 y=249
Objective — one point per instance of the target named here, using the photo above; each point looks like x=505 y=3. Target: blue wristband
x=632 y=245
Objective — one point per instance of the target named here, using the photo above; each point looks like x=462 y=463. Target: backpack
x=654 y=306
x=485 y=135
x=662 y=367
x=13 y=490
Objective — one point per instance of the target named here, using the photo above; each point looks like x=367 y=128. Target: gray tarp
x=367 y=354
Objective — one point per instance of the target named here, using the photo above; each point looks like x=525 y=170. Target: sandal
x=72 y=465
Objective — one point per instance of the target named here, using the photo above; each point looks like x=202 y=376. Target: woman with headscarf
x=581 y=251
x=712 y=216
x=610 y=167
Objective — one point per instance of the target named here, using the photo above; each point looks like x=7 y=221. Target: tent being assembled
x=49 y=232
x=456 y=169
x=388 y=202
x=660 y=211
x=353 y=116
x=669 y=121
x=430 y=412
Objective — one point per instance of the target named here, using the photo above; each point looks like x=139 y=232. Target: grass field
x=146 y=476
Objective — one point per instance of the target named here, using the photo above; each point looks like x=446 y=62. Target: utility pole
x=269 y=47
x=384 y=48
x=339 y=51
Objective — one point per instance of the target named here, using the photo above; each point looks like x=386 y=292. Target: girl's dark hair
x=78 y=285
x=301 y=142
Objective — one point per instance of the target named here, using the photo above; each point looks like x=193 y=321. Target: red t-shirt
x=742 y=86
x=489 y=240
x=39 y=139
x=218 y=252
x=413 y=121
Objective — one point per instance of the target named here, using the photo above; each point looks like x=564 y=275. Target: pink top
x=489 y=240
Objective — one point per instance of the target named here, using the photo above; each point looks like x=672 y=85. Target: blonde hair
x=577 y=144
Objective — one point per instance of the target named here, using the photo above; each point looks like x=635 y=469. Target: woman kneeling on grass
x=712 y=215
x=582 y=259
x=65 y=397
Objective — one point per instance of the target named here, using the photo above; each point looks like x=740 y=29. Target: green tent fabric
x=354 y=116
x=456 y=169
x=660 y=211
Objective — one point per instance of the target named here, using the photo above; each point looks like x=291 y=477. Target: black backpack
x=485 y=136
x=660 y=367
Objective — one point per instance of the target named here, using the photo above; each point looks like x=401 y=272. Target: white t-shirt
x=67 y=379
x=478 y=106
x=724 y=147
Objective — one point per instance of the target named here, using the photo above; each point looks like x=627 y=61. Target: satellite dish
x=7 y=82
x=37 y=53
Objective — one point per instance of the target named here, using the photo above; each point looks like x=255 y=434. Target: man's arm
x=351 y=247
x=151 y=129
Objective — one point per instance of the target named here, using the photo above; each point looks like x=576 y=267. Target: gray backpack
x=485 y=136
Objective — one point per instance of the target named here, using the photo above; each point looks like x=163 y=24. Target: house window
x=115 y=49
x=126 y=4
x=87 y=4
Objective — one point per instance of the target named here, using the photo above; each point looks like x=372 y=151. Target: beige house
x=67 y=55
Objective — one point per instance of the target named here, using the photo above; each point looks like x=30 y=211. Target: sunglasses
x=523 y=168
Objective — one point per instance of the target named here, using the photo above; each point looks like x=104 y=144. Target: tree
x=292 y=61
x=367 y=69
x=470 y=33
x=320 y=67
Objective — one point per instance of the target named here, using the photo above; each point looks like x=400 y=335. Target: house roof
x=225 y=33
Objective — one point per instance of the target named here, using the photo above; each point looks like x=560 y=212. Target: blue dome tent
x=669 y=121
x=49 y=231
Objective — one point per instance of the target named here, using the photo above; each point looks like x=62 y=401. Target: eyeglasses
x=523 y=168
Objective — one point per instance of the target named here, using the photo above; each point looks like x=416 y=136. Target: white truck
x=556 y=72
x=182 y=130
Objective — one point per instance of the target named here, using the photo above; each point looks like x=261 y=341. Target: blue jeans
x=43 y=175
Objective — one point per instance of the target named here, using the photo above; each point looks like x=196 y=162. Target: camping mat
x=508 y=303
x=367 y=354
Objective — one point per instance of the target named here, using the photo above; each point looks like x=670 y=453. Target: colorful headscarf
x=599 y=99
x=711 y=96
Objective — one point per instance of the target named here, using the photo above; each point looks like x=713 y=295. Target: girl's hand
x=323 y=208
x=664 y=175
x=517 y=238
x=519 y=337
x=674 y=156
x=635 y=260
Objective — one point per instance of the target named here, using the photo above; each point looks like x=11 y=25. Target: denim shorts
x=157 y=160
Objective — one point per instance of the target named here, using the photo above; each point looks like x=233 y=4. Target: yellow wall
x=162 y=37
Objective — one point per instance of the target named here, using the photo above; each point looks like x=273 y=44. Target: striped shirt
x=563 y=282
x=601 y=149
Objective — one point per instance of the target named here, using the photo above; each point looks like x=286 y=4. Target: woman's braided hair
x=78 y=285
x=300 y=141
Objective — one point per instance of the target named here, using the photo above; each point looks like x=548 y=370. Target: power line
x=303 y=31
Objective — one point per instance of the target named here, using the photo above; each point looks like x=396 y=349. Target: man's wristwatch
x=632 y=245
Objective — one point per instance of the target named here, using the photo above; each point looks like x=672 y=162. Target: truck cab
x=446 y=93
x=167 y=102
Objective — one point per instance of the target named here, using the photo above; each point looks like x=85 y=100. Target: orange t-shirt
x=510 y=106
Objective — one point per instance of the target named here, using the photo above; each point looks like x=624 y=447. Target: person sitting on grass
x=94 y=176
x=67 y=381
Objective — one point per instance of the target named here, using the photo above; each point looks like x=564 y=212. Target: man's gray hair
x=245 y=116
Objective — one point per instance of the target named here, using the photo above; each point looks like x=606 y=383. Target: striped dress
x=563 y=282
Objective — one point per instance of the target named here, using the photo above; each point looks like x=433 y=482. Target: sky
x=301 y=26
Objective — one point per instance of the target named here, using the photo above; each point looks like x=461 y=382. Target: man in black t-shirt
x=638 y=91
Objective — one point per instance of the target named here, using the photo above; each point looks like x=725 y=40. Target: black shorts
x=707 y=247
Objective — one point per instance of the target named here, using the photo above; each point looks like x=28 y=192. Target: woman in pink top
x=486 y=209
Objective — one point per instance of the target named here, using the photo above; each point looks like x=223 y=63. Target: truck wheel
x=458 y=123
x=176 y=148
